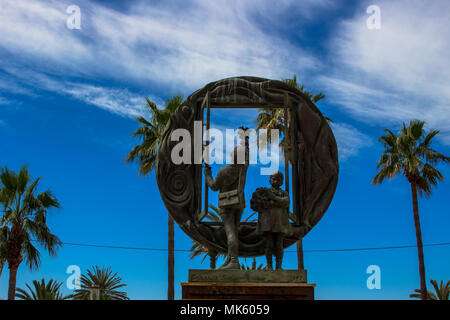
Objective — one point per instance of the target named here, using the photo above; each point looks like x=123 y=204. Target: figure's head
x=276 y=179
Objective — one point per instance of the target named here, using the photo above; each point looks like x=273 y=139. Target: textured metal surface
x=247 y=276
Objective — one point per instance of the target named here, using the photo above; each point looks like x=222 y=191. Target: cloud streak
x=380 y=77
x=171 y=45
x=397 y=73
x=349 y=140
x=121 y=102
x=182 y=46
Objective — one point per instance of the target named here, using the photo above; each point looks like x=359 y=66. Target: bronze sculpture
x=314 y=166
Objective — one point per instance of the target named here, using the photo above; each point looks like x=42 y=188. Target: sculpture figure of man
x=230 y=181
x=272 y=205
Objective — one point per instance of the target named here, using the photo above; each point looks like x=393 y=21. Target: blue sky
x=68 y=98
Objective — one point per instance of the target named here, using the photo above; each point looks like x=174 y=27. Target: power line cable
x=314 y=250
x=376 y=248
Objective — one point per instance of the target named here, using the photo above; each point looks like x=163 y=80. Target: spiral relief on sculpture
x=178 y=186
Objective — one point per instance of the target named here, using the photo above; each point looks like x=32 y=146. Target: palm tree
x=270 y=119
x=24 y=218
x=103 y=280
x=410 y=154
x=197 y=249
x=151 y=134
x=442 y=292
x=253 y=266
x=311 y=96
x=42 y=291
x=3 y=237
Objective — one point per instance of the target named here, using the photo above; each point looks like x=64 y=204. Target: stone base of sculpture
x=247 y=284
x=251 y=276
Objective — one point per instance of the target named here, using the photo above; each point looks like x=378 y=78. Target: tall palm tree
x=410 y=154
x=42 y=291
x=24 y=221
x=105 y=281
x=270 y=119
x=151 y=133
x=442 y=291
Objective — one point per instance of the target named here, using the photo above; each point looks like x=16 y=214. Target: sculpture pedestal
x=247 y=284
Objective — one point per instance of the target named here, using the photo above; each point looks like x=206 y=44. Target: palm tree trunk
x=12 y=281
x=2 y=264
x=423 y=285
x=171 y=261
x=301 y=266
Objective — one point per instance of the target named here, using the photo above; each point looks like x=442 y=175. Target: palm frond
x=25 y=213
x=151 y=133
x=253 y=266
x=31 y=254
x=42 y=291
x=274 y=119
x=105 y=281
x=410 y=154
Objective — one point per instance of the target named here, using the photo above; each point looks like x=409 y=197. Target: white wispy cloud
x=378 y=76
x=178 y=46
x=397 y=73
x=121 y=102
x=349 y=140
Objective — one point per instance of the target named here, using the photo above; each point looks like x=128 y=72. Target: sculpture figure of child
x=272 y=205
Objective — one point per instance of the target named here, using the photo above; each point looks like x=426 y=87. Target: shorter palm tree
x=442 y=291
x=42 y=291
x=23 y=222
x=103 y=280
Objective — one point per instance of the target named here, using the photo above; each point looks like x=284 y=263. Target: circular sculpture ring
x=180 y=185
